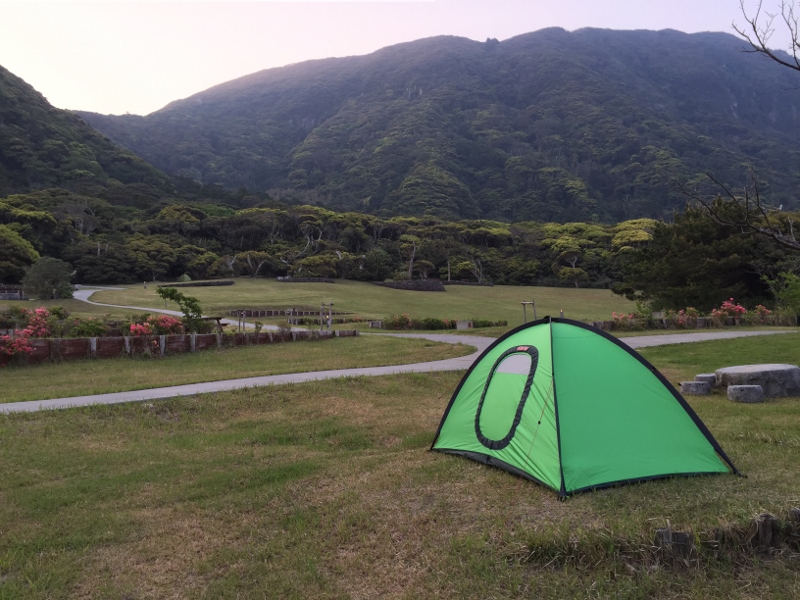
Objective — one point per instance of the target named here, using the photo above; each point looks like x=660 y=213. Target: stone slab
x=709 y=378
x=695 y=388
x=776 y=380
x=748 y=394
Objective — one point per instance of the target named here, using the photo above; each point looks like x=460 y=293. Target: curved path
x=83 y=294
x=451 y=364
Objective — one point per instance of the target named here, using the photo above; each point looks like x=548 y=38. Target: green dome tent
x=567 y=405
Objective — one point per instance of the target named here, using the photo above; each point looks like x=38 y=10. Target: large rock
x=776 y=380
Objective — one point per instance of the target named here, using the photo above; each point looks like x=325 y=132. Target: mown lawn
x=327 y=490
x=76 y=308
x=372 y=301
x=85 y=377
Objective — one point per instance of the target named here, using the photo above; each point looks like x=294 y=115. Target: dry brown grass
x=328 y=490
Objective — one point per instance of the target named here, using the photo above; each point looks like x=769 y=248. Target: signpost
x=329 y=306
x=525 y=310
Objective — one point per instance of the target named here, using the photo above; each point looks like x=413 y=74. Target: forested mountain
x=547 y=126
x=42 y=146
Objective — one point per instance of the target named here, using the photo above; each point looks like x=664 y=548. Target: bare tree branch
x=751 y=214
x=760 y=28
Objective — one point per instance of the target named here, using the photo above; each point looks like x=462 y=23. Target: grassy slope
x=80 y=378
x=74 y=307
x=458 y=302
x=326 y=490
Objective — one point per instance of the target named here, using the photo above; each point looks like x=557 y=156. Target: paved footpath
x=83 y=294
x=451 y=364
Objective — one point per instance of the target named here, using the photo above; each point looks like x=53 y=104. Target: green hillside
x=42 y=147
x=547 y=126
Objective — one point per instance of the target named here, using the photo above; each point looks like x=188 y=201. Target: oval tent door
x=504 y=396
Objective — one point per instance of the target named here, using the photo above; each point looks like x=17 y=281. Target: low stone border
x=62 y=349
x=12 y=293
x=416 y=285
x=482 y=283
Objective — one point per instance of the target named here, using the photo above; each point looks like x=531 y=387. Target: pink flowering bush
x=53 y=322
x=687 y=317
x=38 y=324
x=762 y=310
x=727 y=309
x=11 y=347
x=165 y=325
x=623 y=320
x=398 y=322
x=759 y=315
x=139 y=329
x=157 y=325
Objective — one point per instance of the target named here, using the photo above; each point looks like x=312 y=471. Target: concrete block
x=695 y=388
x=709 y=378
x=749 y=394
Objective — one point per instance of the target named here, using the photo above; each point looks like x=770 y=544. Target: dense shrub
x=197 y=284
x=397 y=322
x=404 y=321
x=89 y=328
x=485 y=323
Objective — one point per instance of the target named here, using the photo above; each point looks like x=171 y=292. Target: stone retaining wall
x=12 y=295
x=61 y=349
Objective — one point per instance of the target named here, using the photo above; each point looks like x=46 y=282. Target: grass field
x=327 y=490
x=85 y=377
x=74 y=307
x=372 y=301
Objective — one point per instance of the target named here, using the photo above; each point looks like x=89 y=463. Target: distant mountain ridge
x=547 y=126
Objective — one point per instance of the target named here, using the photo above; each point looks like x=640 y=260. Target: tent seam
x=563 y=491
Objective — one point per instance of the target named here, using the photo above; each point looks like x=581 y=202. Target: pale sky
x=118 y=56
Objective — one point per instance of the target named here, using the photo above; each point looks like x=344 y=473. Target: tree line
x=104 y=243
x=693 y=261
